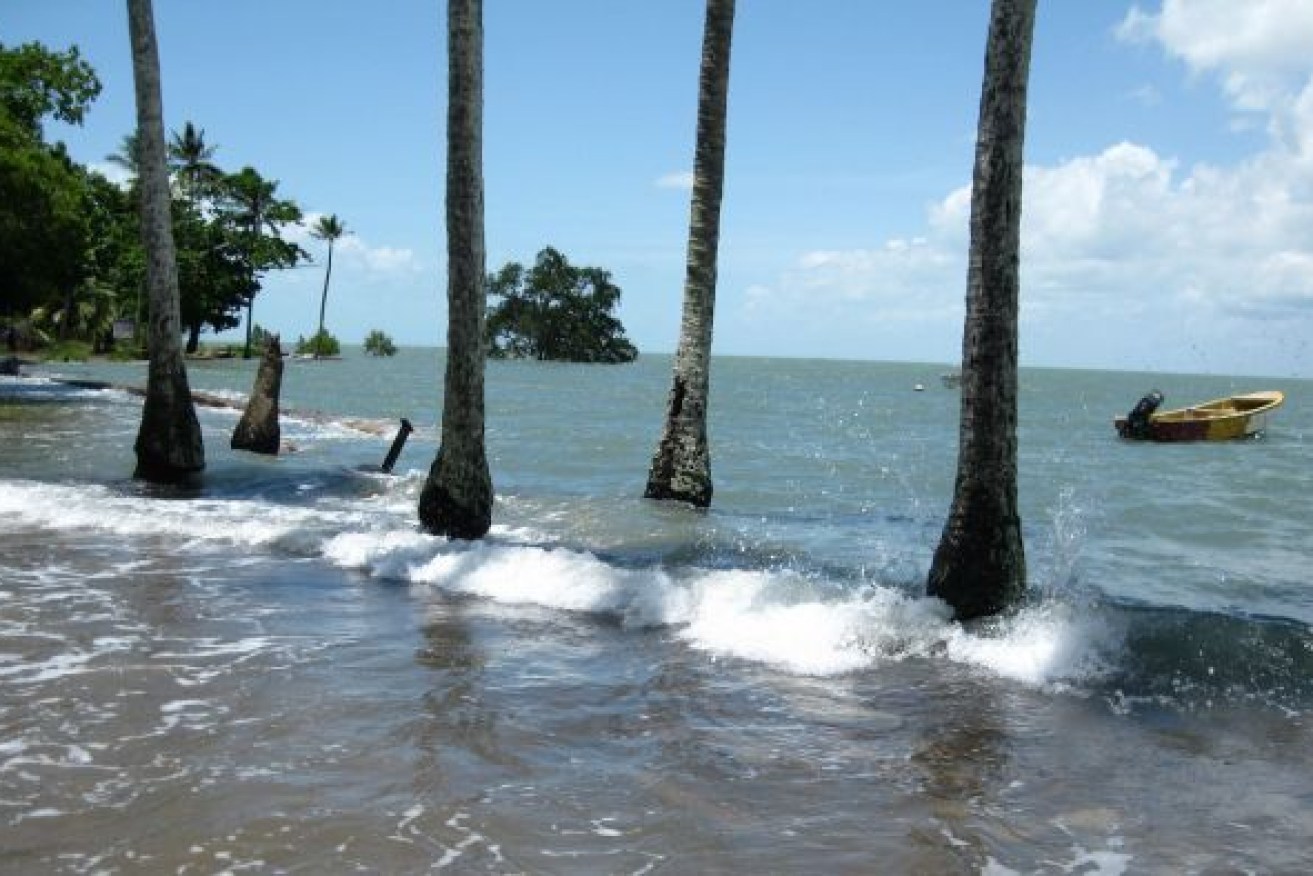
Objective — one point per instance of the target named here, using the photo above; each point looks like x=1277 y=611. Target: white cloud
x=353 y=251
x=379 y=259
x=117 y=175
x=1250 y=39
x=1115 y=240
x=1261 y=50
x=904 y=280
x=681 y=179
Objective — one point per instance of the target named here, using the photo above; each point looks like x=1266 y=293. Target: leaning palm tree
x=681 y=466
x=328 y=228
x=979 y=567
x=457 y=497
x=168 y=445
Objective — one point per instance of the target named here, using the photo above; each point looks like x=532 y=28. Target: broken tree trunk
x=257 y=431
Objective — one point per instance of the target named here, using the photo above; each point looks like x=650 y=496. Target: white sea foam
x=95 y=509
x=777 y=617
x=795 y=622
x=49 y=669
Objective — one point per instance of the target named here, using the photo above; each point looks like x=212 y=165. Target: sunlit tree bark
x=681 y=466
x=457 y=496
x=979 y=567
x=168 y=446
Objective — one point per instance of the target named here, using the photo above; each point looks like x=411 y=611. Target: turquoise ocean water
x=278 y=673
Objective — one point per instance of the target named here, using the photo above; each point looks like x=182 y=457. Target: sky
x=1168 y=192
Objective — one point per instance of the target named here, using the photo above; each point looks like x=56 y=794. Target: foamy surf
x=95 y=508
x=793 y=622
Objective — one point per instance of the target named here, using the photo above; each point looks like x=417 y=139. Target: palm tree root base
x=680 y=471
x=169 y=447
x=982 y=575
x=454 y=506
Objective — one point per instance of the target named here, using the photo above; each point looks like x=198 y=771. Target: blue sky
x=1168 y=217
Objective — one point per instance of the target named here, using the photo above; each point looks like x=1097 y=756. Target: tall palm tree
x=190 y=157
x=681 y=466
x=168 y=446
x=457 y=497
x=259 y=210
x=328 y=228
x=979 y=567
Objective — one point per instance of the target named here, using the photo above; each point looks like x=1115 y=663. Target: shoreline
x=211 y=400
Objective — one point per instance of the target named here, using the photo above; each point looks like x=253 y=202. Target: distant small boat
x=1223 y=419
x=951 y=379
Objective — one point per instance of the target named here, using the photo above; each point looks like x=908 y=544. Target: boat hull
x=1226 y=419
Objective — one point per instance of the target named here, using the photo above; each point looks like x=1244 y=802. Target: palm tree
x=128 y=156
x=189 y=156
x=979 y=567
x=168 y=446
x=258 y=209
x=681 y=466
x=328 y=228
x=456 y=500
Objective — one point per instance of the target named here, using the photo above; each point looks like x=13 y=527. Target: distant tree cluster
x=71 y=260
x=321 y=344
x=555 y=311
x=377 y=343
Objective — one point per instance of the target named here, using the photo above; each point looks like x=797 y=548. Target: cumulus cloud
x=1259 y=50
x=1256 y=45
x=379 y=259
x=352 y=250
x=1128 y=230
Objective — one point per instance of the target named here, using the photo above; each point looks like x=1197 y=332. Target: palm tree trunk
x=250 y=305
x=457 y=497
x=168 y=446
x=681 y=466
x=979 y=567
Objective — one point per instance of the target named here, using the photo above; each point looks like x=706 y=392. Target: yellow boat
x=1223 y=419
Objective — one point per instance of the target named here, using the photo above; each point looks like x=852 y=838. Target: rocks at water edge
x=257 y=431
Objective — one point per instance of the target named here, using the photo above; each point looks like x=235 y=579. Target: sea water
x=276 y=671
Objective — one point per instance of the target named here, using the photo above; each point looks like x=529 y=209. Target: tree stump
x=257 y=431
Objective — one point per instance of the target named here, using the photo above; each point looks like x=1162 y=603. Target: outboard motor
x=1137 y=421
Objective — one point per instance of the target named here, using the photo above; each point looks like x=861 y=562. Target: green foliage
x=68 y=351
x=42 y=225
x=328 y=228
x=214 y=276
x=379 y=344
x=189 y=159
x=71 y=260
x=128 y=352
x=260 y=336
x=254 y=218
x=43 y=232
x=36 y=82
x=555 y=311
x=321 y=343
